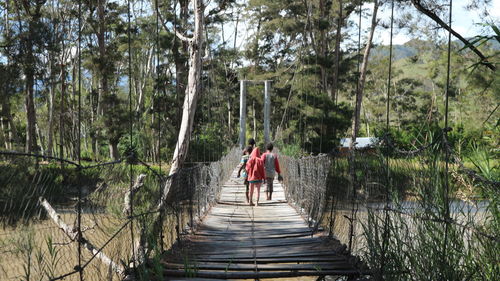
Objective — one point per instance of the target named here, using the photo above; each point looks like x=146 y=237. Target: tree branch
x=177 y=33
x=222 y=7
x=72 y=233
x=139 y=182
x=434 y=17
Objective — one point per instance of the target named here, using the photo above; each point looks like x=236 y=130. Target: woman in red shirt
x=256 y=173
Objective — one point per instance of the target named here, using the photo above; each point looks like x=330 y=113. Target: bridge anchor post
x=243 y=113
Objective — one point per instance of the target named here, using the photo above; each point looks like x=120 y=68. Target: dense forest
x=133 y=72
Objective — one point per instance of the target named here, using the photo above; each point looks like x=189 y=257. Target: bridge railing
x=59 y=221
x=305 y=180
x=402 y=212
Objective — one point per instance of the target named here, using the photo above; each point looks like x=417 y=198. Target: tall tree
x=105 y=27
x=9 y=81
x=31 y=39
x=362 y=75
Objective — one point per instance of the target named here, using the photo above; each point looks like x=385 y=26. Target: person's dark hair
x=269 y=146
x=248 y=149
x=251 y=142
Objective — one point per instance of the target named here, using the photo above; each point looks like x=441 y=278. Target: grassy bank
x=410 y=219
x=33 y=247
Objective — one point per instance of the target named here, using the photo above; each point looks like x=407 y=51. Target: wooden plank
x=271 y=240
x=260 y=275
x=264 y=267
x=267 y=253
x=234 y=237
x=260 y=260
x=251 y=244
x=205 y=231
x=192 y=279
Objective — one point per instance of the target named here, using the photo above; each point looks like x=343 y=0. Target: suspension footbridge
x=408 y=207
x=271 y=240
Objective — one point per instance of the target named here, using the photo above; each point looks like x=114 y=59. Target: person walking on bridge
x=256 y=174
x=243 y=164
x=251 y=142
x=271 y=167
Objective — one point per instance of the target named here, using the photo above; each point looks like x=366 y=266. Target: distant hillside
x=398 y=51
x=412 y=47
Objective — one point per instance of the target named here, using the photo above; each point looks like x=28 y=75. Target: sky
x=463 y=21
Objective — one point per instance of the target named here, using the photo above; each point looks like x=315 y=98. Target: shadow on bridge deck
x=237 y=241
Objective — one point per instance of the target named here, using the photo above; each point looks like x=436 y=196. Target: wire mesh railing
x=40 y=202
x=393 y=209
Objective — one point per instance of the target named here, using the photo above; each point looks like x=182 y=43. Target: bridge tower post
x=267 y=111
x=243 y=113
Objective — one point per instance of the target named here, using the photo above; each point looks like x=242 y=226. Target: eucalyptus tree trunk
x=8 y=126
x=145 y=70
x=193 y=92
x=62 y=109
x=50 y=132
x=32 y=14
x=195 y=44
x=362 y=75
x=31 y=142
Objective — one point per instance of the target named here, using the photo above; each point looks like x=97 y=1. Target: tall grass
x=437 y=236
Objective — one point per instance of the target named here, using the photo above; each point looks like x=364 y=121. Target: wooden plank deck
x=238 y=241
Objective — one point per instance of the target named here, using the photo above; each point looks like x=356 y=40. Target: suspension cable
x=385 y=238
x=157 y=72
x=447 y=152
x=352 y=151
x=335 y=97
x=130 y=150
x=157 y=107
x=79 y=207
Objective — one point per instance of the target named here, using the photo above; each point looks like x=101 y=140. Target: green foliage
x=131 y=146
x=484 y=162
x=398 y=238
x=209 y=144
x=292 y=150
x=23 y=181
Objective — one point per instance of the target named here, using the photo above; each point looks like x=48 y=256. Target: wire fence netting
x=62 y=220
x=401 y=212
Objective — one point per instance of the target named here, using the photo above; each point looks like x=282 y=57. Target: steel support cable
x=447 y=152
x=79 y=205
x=386 y=233
x=298 y=111
x=63 y=90
x=158 y=109
x=209 y=89
x=352 y=155
x=315 y=109
x=320 y=195
x=105 y=244
x=179 y=115
x=130 y=149
x=213 y=82
x=337 y=67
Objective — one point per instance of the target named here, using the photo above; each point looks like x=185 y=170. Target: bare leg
x=246 y=192
x=269 y=190
x=258 y=192
x=252 y=185
x=270 y=187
